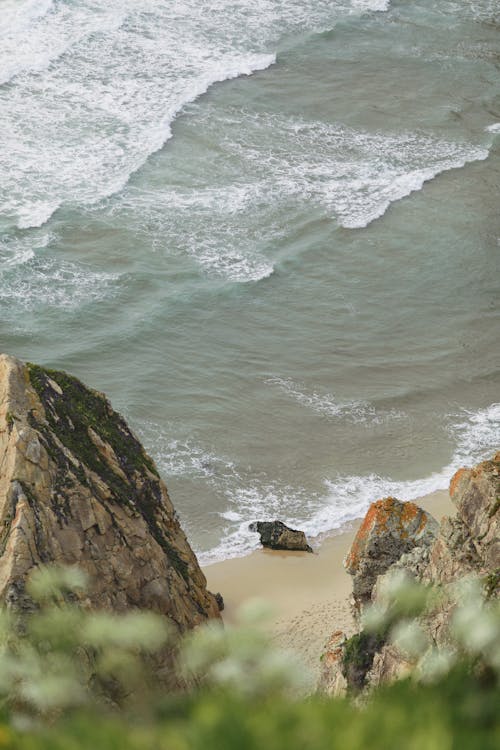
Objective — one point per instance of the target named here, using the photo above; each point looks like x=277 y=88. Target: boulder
x=77 y=488
x=275 y=535
x=390 y=529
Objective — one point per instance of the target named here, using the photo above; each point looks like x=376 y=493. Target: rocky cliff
x=77 y=488
x=400 y=536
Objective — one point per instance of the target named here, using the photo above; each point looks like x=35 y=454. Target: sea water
x=270 y=232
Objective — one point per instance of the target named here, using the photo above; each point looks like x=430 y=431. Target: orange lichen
x=352 y=559
x=409 y=513
x=456 y=479
x=332 y=657
x=379 y=515
x=334 y=648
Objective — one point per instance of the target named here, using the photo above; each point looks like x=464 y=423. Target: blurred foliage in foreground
x=71 y=679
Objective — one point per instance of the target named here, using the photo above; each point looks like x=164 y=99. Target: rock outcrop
x=470 y=541
x=276 y=535
x=467 y=544
x=77 y=488
x=390 y=529
x=332 y=679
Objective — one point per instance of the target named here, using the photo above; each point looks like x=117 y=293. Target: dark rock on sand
x=276 y=535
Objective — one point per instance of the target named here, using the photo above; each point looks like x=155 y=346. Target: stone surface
x=469 y=542
x=390 y=529
x=276 y=535
x=77 y=488
x=389 y=665
x=332 y=680
x=220 y=601
x=466 y=545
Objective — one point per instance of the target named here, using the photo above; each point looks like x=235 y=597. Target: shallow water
x=269 y=232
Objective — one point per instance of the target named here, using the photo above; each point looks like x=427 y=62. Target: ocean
x=269 y=231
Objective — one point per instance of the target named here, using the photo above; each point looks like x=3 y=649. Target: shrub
x=57 y=664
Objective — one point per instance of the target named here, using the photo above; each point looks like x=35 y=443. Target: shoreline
x=308 y=593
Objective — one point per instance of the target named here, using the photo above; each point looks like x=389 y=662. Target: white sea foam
x=15 y=250
x=47 y=283
x=345 y=498
x=40 y=33
x=371 y=5
x=215 y=226
x=185 y=456
x=477 y=435
x=19 y=14
x=30 y=280
x=354 y=175
x=257 y=500
x=95 y=85
x=478 y=10
x=234 y=266
x=495 y=128
x=249 y=496
x=231 y=216
x=330 y=406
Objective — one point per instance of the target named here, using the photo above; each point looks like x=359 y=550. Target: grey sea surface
x=270 y=232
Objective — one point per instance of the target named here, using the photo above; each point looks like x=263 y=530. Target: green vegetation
x=81 y=419
x=455 y=715
x=359 y=652
x=74 y=680
x=77 y=408
x=494 y=508
x=492 y=583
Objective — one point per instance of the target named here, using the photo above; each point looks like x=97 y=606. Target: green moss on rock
x=72 y=411
x=358 y=654
x=494 y=508
x=492 y=583
x=78 y=408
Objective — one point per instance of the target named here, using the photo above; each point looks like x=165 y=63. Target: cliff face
x=77 y=488
x=469 y=542
x=466 y=545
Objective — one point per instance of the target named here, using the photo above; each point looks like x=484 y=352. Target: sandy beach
x=308 y=593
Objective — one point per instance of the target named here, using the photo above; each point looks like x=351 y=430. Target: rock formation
x=390 y=528
x=467 y=544
x=276 y=535
x=77 y=488
x=332 y=680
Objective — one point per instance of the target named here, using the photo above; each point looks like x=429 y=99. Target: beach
x=308 y=593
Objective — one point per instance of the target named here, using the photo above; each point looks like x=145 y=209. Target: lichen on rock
x=389 y=529
x=77 y=488
x=400 y=537
x=470 y=542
